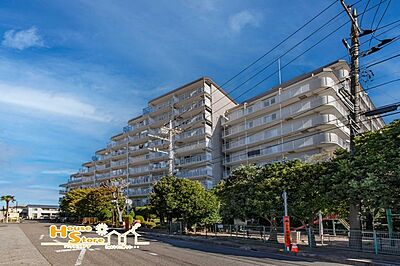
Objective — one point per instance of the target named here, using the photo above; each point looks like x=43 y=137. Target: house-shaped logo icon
x=122 y=239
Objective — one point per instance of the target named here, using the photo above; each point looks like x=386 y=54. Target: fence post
x=310 y=237
x=375 y=243
x=215 y=229
x=263 y=234
x=230 y=229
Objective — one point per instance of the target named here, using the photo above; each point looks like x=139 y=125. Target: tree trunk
x=310 y=234
x=7 y=206
x=273 y=232
x=355 y=241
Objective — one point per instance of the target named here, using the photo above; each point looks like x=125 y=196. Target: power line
x=362 y=16
x=321 y=40
x=382 y=61
x=279 y=44
x=384 y=12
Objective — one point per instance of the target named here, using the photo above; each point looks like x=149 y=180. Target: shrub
x=130 y=218
x=140 y=218
x=150 y=225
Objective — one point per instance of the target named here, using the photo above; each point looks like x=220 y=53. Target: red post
x=286 y=227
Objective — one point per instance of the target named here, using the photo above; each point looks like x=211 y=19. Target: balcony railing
x=195 y=132
x=289 y=146
x=193 y=159
x=130 y=128
x=284 y=96
x=193 y=146
x=119 y=172
x=287 y=112
x=287 y=128
x=102 y=176
x=195 y=173
x=118 y=163
x=140 y=191
x=138 y=170
x=191 y=94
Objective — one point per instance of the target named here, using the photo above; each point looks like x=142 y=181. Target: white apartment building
x=305 y=116
x=195 y=109
x=40 y=212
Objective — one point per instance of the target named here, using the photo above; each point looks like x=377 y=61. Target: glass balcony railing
x=195 y=173
x=288 y=147
x=193 y=159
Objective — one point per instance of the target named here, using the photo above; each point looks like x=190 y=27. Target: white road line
x=80 y=257
x=41 y=237
x=65 y=250
x=154 y=254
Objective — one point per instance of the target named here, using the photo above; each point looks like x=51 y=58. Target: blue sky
x=73 y=72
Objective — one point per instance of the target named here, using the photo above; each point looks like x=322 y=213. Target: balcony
x=287 y=96
x=144 y=180
x=193 y=133
x=200 y=158
x=290 y=146
x=118 y=163
x=156 y=156
x=159 y=166
x=118 y=153
x=326 y=101
x=119 y=172
x=138 y=170
x=195 y=173
x=140 y=192
x=143 y=136
x=194 y=146
x=136 y=126
x=288 y=128
x=118 y=143
x=102 y=176
x=191 y=94
x=186 y=110
x=101 y=167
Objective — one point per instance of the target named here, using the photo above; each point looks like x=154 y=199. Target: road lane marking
x=65 y=250
x=41 y=237
x=154 y=254
x=80 y=257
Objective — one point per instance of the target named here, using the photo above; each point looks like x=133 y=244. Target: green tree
x=7 y=199
x=184 y=199
x=88 y=202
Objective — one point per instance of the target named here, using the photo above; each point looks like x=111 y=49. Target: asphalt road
x=161 y=251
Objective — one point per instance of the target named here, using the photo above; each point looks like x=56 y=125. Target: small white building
x=42 y=211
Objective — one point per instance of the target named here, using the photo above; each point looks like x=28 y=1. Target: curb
x=305 y=254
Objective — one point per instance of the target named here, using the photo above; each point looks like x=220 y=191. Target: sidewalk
x=16 y=248
x=325 y=254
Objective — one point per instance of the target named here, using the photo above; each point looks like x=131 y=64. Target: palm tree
x=7 y=199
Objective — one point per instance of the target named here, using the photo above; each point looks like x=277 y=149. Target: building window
x=253 y=153
x=273 y=116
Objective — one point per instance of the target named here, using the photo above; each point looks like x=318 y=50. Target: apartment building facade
x=139 y=154
x=300 y=118
x=295 y=120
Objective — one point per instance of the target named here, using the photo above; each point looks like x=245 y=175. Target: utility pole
x=355 y=207
x=171 y=153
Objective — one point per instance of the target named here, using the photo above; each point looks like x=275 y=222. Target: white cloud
x=59 y=172
x=243 y=19
x=54 y=103
x=22 y=39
